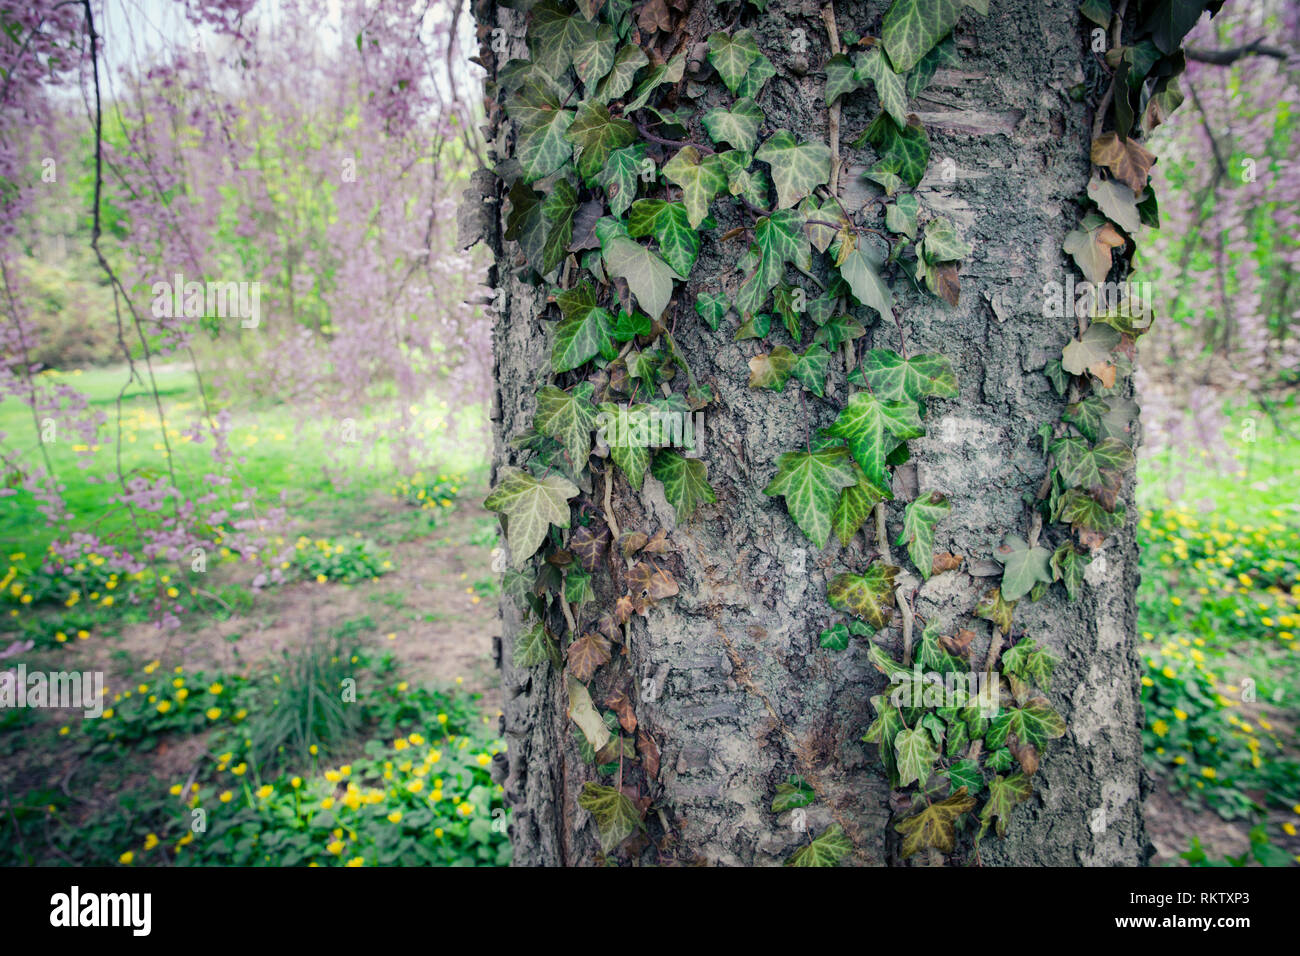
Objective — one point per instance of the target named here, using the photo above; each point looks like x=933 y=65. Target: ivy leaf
x=1090 y=245
x=835 y=638
x=1035 y=723
x=712 y=307
x=588 y=544
x=1083 y=511
x=797 y=168
x=770 y=370
x=758 y=74
x=1169 y=21
x=685 y=481
x=619 y=176
x=904 y=151
x=738 y=126
x=615 y=815
x=553 y=36
x=912 y=379
x=665 y=73
x=577 y=589
x=837 y=330
x=873 y=429
x=1116 y=201
x=811 y=369
x=1085 y=467
x=860 y=272
x=913 y=27
x=916 y=756
x=1022 y=566
x=886 y=174
x=810 y=482
x=1098 y=11
x=531 y=505
x=856 y=504
x=945 y=53
x=900 y=215
x=840 y=78
x=1004 y=794
x=584 y=331
x=1091 y=351
x=827 y=850
x=1087 y=416
x=792 y=794
x=732 y=56
x=1068 y=566
x=941 y=243
x=621 y=428
x=919 y=520
x=629 y=59
x=890 y=87
x=587 y=654
x=629 y=325
x=1029 y=662
x=965 y=774
x=778 y=238
x=755 y=327
x=596 y=134
x=668 y=223
x=648 y=276
x=593 y=54
x=534 y=646
x=700 y=178
x=935 y=826
x=869 y=597
x=568 y=417
x=543 y=145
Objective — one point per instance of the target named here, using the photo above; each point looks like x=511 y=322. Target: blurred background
x=244 y=388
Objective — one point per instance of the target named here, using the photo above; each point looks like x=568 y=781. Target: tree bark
x=742 y=693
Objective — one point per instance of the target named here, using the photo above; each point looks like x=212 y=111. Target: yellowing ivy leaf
x=936 y=825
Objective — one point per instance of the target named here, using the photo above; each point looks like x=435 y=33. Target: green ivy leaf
x=860 y=271
x=553 y=36
x=811 y=369
x=685 y=481
x=890 y=87
x=732 y=56
x=900 y=215
x=1029 y=662
x=1035 y=723
x=615 y=815
x=596 y=134
x=666 y=73
x=1089 y=467
x=904 y=151
x=755 y=327
x=869 y=596
x=916 y=756
x=993 y=607
x=620 y=429
x=1004 y=794
x=543 y=145
x=568 y=417
x=629 y=59
x=779 y=238
x=531 y=505
x=593 y=54
x=669 y=224
x=913 y=27
x=944 y=54
x=873 y=428
x=919 y=520
x=840 y=78
x=792 y=794
x=700 y=178
x=751 y=84
x=912 y=379
x=827 y=850
x=1068 y=566
x=810 y=482
x=648 y=276
x=534 y=646
x=936 y=825
x=577 y=588
x=883 y=730
x=738 y=126
x=837 y=330
x=771 y=369
x=856 y=504
x=1087 y=416
x=1084 y=511
x=835 y=637
x=965 y=773
x=712 y=307
x=797 y=168
x=941 y=243
x=619 y=177
x=629 y=325
x=584 y=331
x=1022 y=566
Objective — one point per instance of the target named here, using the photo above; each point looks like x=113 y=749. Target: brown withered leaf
x=606 y=625
x=948 y=282
x=561 y=559
x=650 y=582
x=630 y=542
x=1105 y=373
x=659 y=543
x=649 y=753
x=620 y=704
x=655 y=16
x=623 y=609
x=1107 y=495
x=946 y=561
x=586 y=654
x=959 y=643
x=1127 y=159
x=588 y=545
x=1026 y=755
x=1092 y=540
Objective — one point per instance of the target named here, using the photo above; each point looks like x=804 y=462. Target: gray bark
x=745 y=695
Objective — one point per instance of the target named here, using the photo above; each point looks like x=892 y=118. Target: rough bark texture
x=743 y=694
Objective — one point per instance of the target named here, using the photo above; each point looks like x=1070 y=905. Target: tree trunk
x=728 y=676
